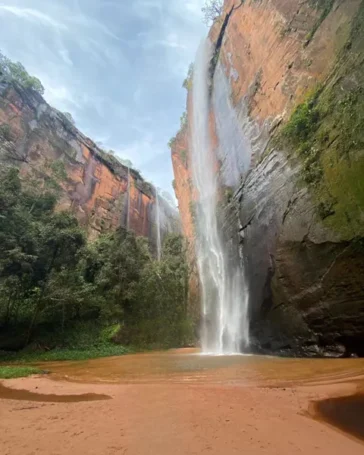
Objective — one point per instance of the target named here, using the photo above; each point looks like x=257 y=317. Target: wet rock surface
x=306 y=288
x=295 y=219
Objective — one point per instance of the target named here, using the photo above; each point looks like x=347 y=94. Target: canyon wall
x=287 y=122
x=101 y=192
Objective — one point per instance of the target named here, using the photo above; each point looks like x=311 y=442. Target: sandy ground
x=165 y=419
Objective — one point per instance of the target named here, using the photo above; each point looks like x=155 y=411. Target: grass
x=12 y=372
x=80 y=342
x=64 y=354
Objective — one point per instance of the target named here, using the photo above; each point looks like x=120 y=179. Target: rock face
x=287 y=103
x=186 y=196
x=102 y=193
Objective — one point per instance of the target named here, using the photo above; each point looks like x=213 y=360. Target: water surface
x=188 y=366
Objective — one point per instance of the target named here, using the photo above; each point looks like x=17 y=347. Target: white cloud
x=116 y=65
x=33 y=15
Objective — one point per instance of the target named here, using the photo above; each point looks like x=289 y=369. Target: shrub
x=212 y=10
x=17 y=72
x=187 y=83
x=184 y=120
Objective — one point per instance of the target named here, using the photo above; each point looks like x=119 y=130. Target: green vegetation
x=303 y=122
x=171 y=142
x=228 y=195
x=212 y=10
x=183 y=155
x=184 y=120
x=73 y=299
x=17 y=72
x=59 y=170
x=183 y=125
x=300 y=133
x=69 y=118
x=193 y=211
x=187 y=83
x=125 y=162
x=14 y=372
x=5 y=132
x=116 y=164
x=327 y=134
x=63 y=354
x=80 y=340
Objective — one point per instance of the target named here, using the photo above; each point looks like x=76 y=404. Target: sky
x=116 y=65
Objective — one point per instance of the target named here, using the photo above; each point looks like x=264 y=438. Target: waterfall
x=128 y=206
x=224 y=295
x=158 y=226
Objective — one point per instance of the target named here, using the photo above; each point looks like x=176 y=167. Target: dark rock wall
x=297 y=211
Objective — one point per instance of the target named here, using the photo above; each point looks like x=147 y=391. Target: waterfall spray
x=128 y=206
x=224 y=294
x=158 y=226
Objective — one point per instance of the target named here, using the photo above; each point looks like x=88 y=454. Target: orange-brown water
x=188 y=366
x=183 y=403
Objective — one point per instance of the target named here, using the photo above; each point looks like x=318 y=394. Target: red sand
x=171 y=419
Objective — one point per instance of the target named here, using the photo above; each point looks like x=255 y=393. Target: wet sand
x=180 y=404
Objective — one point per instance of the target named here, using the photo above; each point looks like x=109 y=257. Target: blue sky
x=116 y=65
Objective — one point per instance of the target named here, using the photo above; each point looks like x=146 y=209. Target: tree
x=36 y=244
x=69 y=117
x=17 y=72
x=20 y=74
x=171 y=142
x=126 y=162
x=212 y=10
x=159 y=314
x=52 y=278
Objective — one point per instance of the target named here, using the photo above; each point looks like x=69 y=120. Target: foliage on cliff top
x=17 y=72
x=119 y=167
x=183 y=126
x=212 y=10
x=187 y=83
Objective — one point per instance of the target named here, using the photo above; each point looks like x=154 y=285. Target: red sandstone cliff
x=300 y=215
x=96 y=184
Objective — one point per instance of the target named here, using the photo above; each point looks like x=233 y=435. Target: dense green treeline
x=53 y=282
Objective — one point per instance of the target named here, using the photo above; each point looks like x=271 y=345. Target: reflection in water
x=188 y=366
x=346 y=413
x=7 y=393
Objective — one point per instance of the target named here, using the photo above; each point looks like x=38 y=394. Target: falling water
x=158 y=225
x=224 y=294
x=128 y=206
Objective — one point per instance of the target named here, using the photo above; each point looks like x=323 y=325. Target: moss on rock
x=327 y=134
